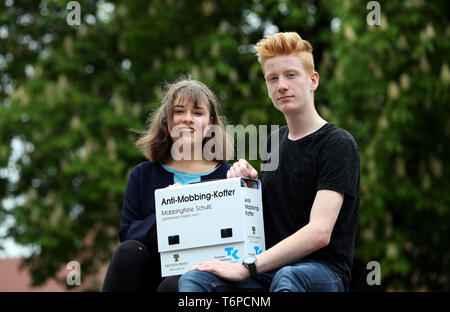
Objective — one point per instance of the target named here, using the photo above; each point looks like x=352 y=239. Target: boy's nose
x=282 y=86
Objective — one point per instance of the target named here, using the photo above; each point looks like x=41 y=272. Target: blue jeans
x=300 y=276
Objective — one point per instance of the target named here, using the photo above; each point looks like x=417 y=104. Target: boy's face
x=290 y=88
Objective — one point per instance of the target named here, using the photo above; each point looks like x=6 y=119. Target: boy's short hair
x=285 y=43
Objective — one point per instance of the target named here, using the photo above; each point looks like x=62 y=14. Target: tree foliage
x=389 y=86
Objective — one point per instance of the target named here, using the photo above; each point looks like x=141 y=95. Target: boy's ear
x=315 y=81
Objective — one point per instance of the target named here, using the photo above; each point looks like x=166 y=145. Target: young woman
x=185 y=142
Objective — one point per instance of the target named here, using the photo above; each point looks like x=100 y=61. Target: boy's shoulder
x=336 y=134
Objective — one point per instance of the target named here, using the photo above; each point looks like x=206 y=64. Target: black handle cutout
x=174 y=239
x=224 y=233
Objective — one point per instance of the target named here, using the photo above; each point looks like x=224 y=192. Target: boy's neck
x=303 y=123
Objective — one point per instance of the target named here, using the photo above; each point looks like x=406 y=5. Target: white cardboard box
x=221 y=219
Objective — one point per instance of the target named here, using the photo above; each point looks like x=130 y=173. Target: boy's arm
x=313 y=236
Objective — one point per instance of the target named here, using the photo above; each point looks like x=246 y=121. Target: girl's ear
x=211 y=120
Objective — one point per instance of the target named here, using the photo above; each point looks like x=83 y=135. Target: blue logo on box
x=232 y=253
x=257 y=250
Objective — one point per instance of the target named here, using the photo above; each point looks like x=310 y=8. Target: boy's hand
x=229 y=271
x=242 y=169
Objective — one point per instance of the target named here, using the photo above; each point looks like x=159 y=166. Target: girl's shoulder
x=146 y=167
x=224 y=165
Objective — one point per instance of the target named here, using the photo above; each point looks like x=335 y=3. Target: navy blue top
x=138 y=208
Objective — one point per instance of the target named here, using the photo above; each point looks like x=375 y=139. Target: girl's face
x=190 y=122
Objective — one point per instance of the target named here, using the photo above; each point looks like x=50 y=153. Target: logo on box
x=230 y=253
x=257 y=250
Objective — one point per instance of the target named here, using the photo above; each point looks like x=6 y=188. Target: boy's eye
x=272 y=78
x=291 y=75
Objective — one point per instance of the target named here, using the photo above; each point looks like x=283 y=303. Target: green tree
x=389 y=86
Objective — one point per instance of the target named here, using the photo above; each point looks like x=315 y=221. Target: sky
x=10 y=248
x=13 y=250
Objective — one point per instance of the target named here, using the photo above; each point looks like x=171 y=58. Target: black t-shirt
x=327 y=159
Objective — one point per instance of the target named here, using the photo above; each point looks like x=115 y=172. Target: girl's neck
x=192 y=166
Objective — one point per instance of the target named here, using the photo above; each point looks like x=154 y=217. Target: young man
x=310 y=202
